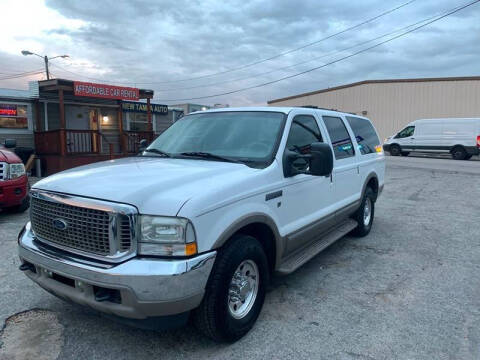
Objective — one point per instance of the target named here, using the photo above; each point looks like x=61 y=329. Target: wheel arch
x=371 y=181
x=457 y=146
x=263 y=228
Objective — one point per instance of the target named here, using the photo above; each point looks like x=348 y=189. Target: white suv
x=203 y=217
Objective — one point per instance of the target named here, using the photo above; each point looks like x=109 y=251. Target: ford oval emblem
x=59 y=224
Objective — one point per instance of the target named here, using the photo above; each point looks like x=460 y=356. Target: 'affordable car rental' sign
x=104 y=91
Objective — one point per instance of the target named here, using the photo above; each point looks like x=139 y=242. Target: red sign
x=9 y=110
x=105 y=91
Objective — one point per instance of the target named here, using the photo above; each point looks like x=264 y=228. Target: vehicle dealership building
x=392 y=104
x=69 y=123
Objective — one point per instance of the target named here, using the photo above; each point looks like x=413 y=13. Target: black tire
x=405 y=153
x=213 y=317
x=395 y=150
x=459 y=153
x=363 y=229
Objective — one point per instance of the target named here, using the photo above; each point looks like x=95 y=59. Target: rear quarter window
x=365 y=134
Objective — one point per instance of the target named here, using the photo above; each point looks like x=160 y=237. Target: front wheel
x=365 y=213
x=235 y=291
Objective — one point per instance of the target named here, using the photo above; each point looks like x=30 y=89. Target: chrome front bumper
x=147 y=286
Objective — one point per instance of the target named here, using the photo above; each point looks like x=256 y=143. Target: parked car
x=13 y=180
x=459 y=137
x=202 y=218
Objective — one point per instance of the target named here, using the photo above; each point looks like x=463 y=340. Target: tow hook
x=27 y=266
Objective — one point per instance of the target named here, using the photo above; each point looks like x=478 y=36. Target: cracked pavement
x=409 y=290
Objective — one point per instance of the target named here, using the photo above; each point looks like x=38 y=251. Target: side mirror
x=143 y=145
x=321 y=162
x=10 y=143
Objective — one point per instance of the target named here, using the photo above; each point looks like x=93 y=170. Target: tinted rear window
x=365 y=134
x=341 y=142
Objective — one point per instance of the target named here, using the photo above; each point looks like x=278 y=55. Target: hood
x=157 y=186
x=9 y=157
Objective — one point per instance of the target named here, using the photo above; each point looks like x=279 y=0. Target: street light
x=45 y=58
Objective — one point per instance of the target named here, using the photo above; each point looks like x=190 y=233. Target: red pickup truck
x=14 y=185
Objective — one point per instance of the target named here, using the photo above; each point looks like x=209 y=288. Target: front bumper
x=148 y=287
x=12 y=192
x=386 y=147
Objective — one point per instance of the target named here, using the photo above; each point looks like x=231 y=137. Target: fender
x=252 y=219
x=372 y=175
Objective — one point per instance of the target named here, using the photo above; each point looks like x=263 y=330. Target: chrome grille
x=87 y=229
x=125 y=235
x=3 y=170
x=92 y=228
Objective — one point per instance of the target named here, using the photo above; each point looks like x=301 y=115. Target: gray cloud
x=152 y=41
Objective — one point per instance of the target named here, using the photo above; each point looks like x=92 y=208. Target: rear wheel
x=365 y=213
x=235 y=292
x=395 y=150
x=459 y=153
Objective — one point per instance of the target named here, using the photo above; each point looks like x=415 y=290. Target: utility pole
x=46 y=67
x=45 y=58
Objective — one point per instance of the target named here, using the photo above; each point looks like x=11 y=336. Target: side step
x=300 y=257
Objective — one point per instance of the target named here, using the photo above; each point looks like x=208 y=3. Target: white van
x=458 y=136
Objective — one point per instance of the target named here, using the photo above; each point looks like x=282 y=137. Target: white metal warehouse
x=391 y=104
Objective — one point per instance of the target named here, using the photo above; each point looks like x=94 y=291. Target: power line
x=262 y=60
x=450 y=12
x=292 y=50
x=18 y=73
x=303 y=62
x=21 y=75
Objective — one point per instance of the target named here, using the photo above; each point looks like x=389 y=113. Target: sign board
x=8 y=110
x=130 y=106
x=105 y=91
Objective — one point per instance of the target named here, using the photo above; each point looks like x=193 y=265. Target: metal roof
x=16 y=94
x=458 y=78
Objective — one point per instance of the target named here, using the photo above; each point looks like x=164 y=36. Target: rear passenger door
x=345 y=168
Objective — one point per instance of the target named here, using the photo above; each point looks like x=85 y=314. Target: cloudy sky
x=160 y=44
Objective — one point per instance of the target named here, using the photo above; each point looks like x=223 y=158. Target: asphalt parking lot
x=409 y=290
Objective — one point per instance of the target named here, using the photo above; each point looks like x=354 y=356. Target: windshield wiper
x=159 y=152
x=207 y=155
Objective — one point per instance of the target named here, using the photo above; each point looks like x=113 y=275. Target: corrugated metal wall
x=393 y=105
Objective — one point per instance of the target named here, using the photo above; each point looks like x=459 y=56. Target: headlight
x=16 y=170
x=166 y=236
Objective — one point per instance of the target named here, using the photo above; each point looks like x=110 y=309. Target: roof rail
x=316 y=107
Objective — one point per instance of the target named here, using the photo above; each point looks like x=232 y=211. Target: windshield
x=246 y=136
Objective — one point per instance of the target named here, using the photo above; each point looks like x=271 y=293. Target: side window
x=365 y=134
x=341 y=142
x=407 y=132
x=303 y=132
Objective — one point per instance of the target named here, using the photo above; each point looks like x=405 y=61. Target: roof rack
x=316 y=107
x=320 y=108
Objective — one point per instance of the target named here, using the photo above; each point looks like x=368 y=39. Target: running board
x=300 y=257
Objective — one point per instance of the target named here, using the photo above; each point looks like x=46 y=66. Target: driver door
x=307 y=199
x=406 y=139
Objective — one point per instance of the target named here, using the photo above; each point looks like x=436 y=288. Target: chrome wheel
x=367 y=211
x=243 y=289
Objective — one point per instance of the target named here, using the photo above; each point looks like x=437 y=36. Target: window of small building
x=13 y=116
x=138 y=122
